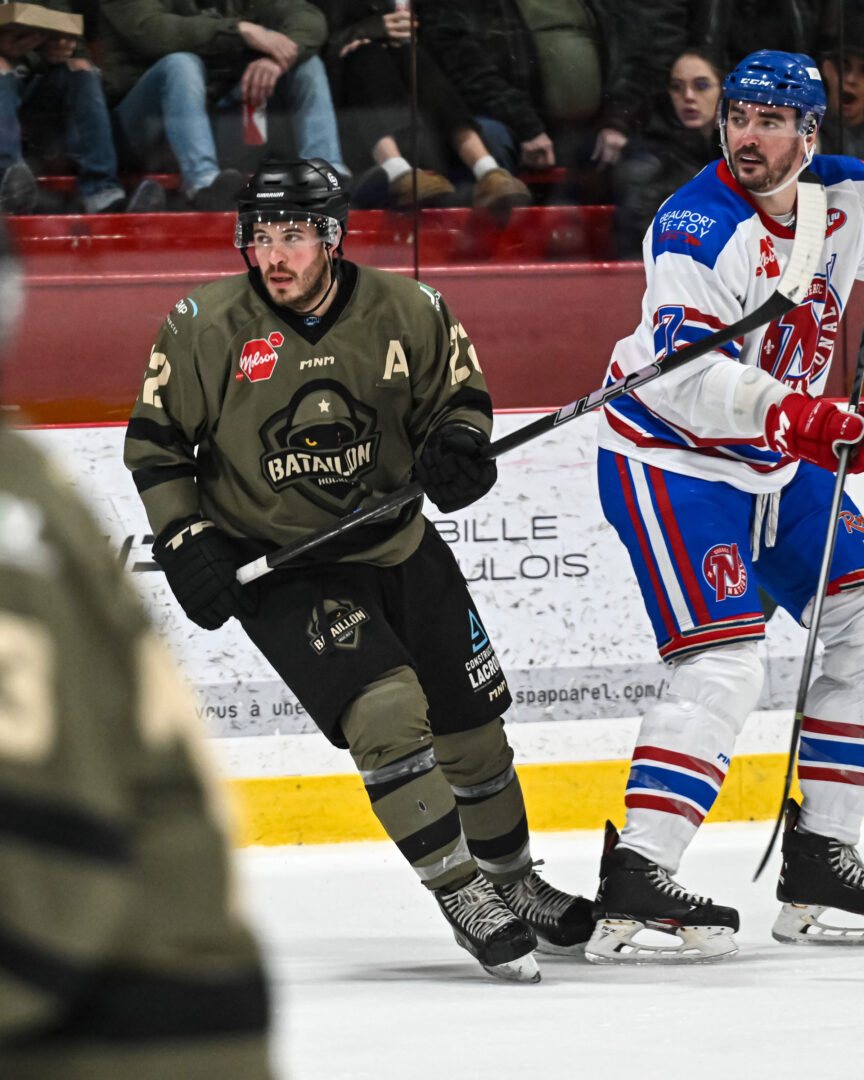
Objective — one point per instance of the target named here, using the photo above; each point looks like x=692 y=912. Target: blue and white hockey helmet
x=769 y=77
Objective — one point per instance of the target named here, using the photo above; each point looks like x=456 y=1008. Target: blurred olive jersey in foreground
x=122 y=956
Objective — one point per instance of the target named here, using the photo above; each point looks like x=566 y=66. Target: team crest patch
x=342 y=623
x=321 y=443
x=258 y=358
x=724 y=571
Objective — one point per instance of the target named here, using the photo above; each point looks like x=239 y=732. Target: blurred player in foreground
x=122 y=952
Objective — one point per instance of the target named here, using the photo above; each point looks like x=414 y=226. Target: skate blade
x=614 y=942
x=547 y=948
x=523 y=969
x=800 y=924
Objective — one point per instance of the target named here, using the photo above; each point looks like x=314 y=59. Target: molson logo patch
x=768 y=264
x=258 y=358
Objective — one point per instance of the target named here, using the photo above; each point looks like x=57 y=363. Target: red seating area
x=541 y=298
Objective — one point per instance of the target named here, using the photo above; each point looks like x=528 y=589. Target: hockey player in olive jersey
x=121 y=951
x=279 y=400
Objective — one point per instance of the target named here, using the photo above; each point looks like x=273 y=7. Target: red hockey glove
x=813 y=429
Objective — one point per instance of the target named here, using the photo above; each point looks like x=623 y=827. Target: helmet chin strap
x=808 y=157
x=333 y=277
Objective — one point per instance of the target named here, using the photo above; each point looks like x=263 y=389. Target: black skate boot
x=636 y=894
x=489 y=930
x=817 y=873
x=562 y=923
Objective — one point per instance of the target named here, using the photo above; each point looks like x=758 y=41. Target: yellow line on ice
x=569 y=795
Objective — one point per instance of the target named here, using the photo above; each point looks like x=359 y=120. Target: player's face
x=293 y=262
x=695 y=91
x=764 y=145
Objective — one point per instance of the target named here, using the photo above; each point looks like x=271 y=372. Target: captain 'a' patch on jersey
x=321 y=444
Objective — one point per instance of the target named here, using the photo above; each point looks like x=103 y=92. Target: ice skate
x=489 y=930
x=637 y=895
x=562 y=923
x=818 y=873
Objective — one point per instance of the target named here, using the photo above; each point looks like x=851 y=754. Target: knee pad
x=841 y=631
x=471 y=757
x=387 y=720
x=725 y=682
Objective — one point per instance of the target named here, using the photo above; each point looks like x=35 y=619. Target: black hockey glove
x=200 y=564
x=451 y=469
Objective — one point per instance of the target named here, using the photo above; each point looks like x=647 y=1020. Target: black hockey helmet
x=309 y=191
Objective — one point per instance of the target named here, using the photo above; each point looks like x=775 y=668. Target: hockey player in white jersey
x=718 y=478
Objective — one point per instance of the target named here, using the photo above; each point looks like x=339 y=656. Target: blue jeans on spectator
x=500 y=142
x=66 y=107
x=170 y=101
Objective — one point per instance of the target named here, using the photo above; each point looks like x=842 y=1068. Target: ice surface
x=369 y=983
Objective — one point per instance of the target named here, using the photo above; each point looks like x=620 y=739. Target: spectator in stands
x=51 y=100
x=679 y=139
x=550 y=81
x=166 y=62
x=369 y=64
x=727 y=30
x=842 y=131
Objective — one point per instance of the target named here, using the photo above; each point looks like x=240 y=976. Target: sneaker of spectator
x=220 y=193
x=147 y=198
x=499 y=191
x=19 y=191
x=432 y=190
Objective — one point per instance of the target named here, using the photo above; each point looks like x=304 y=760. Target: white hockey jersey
x=711 y=256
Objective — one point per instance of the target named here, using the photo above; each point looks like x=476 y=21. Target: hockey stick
x=791 y=290
x=844 y=458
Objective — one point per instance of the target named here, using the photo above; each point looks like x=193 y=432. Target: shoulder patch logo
x=836 y=220
x=258 y=358
x=433 y=294
x=185 y=305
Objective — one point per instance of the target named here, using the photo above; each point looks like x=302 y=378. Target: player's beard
x=311 y=285
x=771 y=176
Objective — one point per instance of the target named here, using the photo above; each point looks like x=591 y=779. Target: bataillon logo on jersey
x=322 y=442
x=258 y=358
x=768 y=264
x=724 y=571
x=796 y=348
x=339 y=627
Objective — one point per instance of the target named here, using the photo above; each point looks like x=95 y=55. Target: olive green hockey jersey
x=122 y=954
x=273 y=426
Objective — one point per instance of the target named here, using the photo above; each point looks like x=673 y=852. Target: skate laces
x=476 y=907
x=664 y=884
x=534 y=899
x=846 y=863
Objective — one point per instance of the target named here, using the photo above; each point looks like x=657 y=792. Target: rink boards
x=558 y=598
